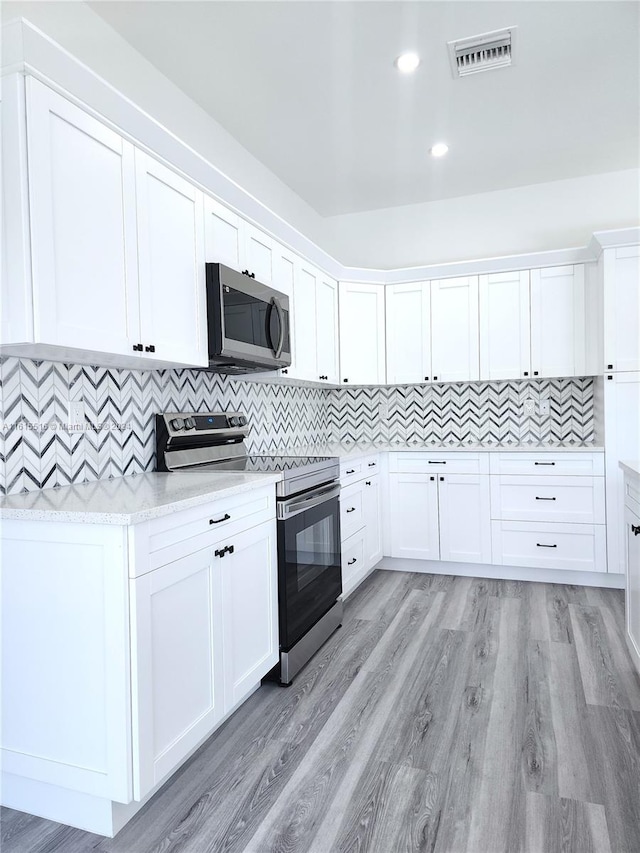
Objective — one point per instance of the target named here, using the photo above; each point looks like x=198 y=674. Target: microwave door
x=276 y=330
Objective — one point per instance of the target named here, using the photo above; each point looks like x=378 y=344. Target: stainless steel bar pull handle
x=225 y=517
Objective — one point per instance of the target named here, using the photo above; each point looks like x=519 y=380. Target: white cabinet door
x=176 y=677
x=408 y=313
x=465 y=518
x=622 y=308
x=632 y=537
x=249 y=597
x=622 y=441
x=372 y=508
x=172 y=265
x=258 y=254
x=224 y=235
x=304 y=364
x=454 y=330
x=504 y=326
x=558 y=321
x=327 y=329
x=284 y=265
x=413 y=502
x=362 y=349
x=82 y=196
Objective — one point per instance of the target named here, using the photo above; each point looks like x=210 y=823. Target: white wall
x=85 y=35
x=540 y=217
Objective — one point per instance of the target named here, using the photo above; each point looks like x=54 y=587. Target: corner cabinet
x=116 y=245
x=362 y=334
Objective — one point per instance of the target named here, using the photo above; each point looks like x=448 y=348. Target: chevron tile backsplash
x=119 y=409
x=465 y=413
x=120 y=406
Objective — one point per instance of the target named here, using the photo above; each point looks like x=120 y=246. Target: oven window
x=315 y=551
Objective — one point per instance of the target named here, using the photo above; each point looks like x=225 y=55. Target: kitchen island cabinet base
x=508 y=573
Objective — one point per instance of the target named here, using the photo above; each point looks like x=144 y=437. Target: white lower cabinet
x=249 y=610
x=360 y=519
x=176 y=665
x=440 y=517
x=372 y=511
x=120 y=667
x=353 y=561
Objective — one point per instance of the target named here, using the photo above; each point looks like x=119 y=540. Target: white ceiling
x=310 y=89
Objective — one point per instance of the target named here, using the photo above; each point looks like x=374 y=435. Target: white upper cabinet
x=284 y=265
x=504 y=326
x=327 y=329
x=622 y=308
x=171 y=265
x=82 y=198
x=258 y=254
x=362 y=333
x=224 y=235
x=304 y=362
x=454 y=330
x=558 y=321
x=408 y=323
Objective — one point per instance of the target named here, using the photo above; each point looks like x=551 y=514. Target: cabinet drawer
x=548 y=463
x=632 y=494
x=577 y=547
x=173 y=536
x=352 y=470
x=578 y=500
x=431 y=462
x=351 y=510
x=353 y=561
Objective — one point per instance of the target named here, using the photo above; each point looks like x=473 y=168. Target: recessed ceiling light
x=439 y=149
x=408 y=62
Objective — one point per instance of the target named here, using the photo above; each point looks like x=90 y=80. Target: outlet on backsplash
x=530 y=407
x=544 y=406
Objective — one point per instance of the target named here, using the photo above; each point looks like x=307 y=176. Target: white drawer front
x=577 y=547
x=548 y=463
x=353 y=562
x=577 y=500
x=351 y=510
x=186 y=531
x=353 y=470
x=431 y=462
x=632 y=494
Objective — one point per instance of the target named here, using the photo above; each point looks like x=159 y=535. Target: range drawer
x=548 y=463
x=351 y=510
x=577 y=547
x=432 y=462
x=578 y=500
x=352 y=470
x=172 y=536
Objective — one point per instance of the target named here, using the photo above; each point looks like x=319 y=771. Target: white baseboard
x=512 y=573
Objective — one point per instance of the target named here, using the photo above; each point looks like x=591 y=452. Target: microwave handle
x=275 y=305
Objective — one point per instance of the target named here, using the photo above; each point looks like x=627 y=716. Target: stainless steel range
x=308 y=519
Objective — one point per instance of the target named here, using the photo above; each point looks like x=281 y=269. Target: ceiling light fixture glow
x=407 y=62
x=439 y=149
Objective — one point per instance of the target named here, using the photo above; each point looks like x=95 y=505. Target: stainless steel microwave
x=249 y=323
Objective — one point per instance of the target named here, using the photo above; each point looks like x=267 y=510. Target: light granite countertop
x=130 y=500
x=353 y=451
x=631 y=466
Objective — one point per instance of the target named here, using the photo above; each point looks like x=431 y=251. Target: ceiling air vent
x=481 y=53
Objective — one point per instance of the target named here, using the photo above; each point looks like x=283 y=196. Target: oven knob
x=242 y=420
x=189 y=423
x=234 y=421
x=176 y=423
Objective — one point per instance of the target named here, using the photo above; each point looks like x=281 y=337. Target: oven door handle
x=290 y=508
x=277 y=307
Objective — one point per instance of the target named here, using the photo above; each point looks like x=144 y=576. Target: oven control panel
x=183 y=423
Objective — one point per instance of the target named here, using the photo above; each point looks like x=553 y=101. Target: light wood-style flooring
x=448 y=714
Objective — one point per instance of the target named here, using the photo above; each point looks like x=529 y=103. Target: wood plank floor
x=453 y=715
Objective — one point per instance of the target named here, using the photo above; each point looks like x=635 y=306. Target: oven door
x=248 y=321
x=309 y=569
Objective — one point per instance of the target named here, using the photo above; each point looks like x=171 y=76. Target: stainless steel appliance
x=249 y=323
x=308 y=522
